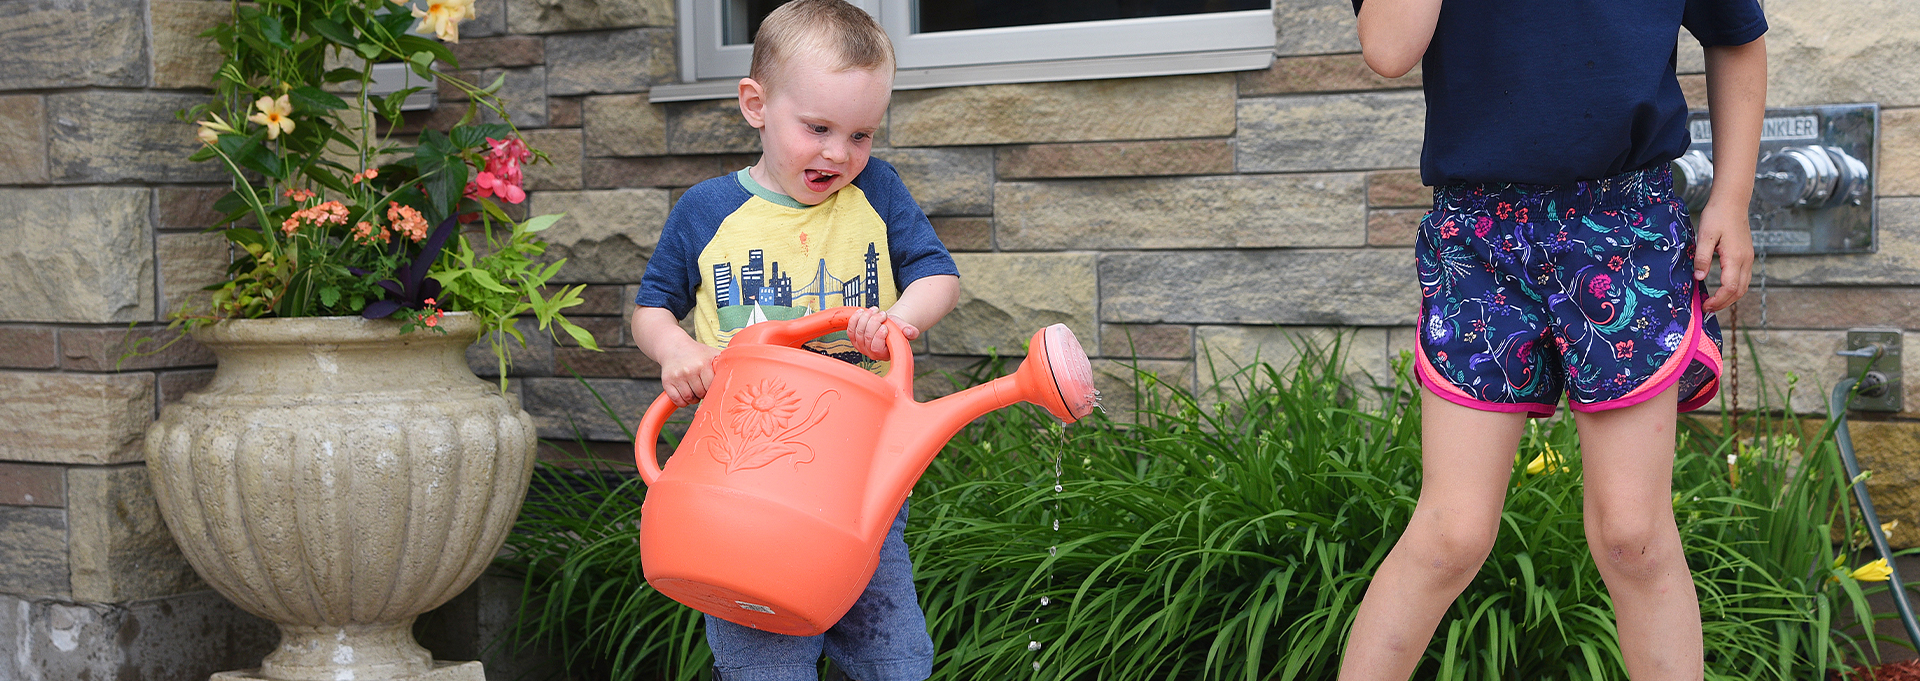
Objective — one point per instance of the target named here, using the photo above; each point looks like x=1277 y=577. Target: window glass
x=962 y=15
x=742 y=19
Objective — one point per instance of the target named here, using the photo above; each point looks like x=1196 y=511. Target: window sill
x=1251 y=59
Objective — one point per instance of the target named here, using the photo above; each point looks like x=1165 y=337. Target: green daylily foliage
x=1230 y=534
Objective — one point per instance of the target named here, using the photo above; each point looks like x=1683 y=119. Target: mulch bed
x=1896 y=671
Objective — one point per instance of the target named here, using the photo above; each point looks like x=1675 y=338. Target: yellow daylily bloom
x=443 y=17
x=1876 y=571
x=274 y=113
x=1546 y=462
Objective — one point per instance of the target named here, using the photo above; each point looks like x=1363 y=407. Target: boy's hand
x=686 y=370
x=1724 y=233
x=868 y=331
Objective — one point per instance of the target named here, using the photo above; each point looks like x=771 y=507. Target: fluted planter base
x=339 y=478
x=442 y=671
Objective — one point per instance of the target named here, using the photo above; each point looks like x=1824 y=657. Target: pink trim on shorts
x=1708 y=353
x=1669 y=373
x=1439 y=385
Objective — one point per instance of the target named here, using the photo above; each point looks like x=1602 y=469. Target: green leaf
x=318 y=174
x=486 y=281
x=581 y=336
x=414 y=45
x=340 y=35
x=342 y=74
x=476 y=136
x=368 y=50
x=443 y=173
x=245 y=236
x=274 y=32
x=329 y=295
x=310 y=100
x=540 y=223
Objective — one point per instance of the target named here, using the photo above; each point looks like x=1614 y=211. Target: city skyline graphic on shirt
x=761 y=290
x=762 y=282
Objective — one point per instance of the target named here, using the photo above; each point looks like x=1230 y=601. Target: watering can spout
x=1056 y=375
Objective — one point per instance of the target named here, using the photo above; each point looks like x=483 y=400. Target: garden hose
x=1837 y=410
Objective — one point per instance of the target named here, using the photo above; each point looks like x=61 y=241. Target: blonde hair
x=847 y=35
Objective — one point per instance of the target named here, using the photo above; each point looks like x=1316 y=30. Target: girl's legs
x=1466 y=459
x=1627 y=455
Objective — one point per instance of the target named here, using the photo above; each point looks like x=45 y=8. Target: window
x=944 y=43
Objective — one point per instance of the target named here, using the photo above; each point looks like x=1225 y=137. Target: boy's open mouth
x=819 y=180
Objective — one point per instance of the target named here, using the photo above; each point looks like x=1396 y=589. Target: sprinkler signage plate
x=1813 y=193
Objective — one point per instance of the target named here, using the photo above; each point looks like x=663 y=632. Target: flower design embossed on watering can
x=796 y=464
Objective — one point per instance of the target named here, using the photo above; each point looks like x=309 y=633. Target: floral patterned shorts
x=1526 y=289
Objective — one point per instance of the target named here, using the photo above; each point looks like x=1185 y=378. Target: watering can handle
x=643 y=441
x=796 y=332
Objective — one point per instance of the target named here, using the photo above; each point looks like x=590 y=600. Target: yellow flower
x=207 y=135
x=1886 y=528
x=1876 y=571
x=443 y=18
x=273 y=113
x=1546 y=462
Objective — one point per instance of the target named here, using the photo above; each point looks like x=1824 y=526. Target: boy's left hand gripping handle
x=649 y=433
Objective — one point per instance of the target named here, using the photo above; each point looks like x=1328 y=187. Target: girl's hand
x=868 y=331
x=1724 y=233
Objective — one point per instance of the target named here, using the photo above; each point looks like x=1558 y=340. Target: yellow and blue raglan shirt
x=733 y=253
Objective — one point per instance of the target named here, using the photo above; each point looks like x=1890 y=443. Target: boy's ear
x=753 y=102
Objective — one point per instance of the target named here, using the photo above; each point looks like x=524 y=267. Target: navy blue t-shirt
x=1556 y=91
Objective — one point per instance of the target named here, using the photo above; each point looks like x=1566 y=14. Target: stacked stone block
x=1184 y=225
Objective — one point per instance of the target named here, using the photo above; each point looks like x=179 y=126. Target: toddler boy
x=814 y=224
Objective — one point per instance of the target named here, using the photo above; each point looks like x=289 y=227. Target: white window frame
x=1121 y=48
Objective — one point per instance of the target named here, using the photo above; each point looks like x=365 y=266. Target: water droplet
x=1033 y=645
x=1058 y=488
x=1044 y=600
x=1053 y=550
x=1036 y=666
x=1056 y=524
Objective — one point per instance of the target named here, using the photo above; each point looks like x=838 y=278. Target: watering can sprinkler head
x=1057 y=375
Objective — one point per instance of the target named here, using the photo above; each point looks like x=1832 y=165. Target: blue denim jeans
x=882 y=638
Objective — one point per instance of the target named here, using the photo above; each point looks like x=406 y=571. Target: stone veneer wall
x=1191 y=221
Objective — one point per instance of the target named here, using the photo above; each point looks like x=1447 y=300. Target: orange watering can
x=771 y=512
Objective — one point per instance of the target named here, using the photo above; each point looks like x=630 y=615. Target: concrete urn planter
x=339 y=479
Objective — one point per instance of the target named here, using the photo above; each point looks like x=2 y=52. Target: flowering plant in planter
x=348 y=217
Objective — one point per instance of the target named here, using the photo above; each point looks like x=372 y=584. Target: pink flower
x=1623 y=349
x=502 y=177
x=1599 y=285
x=1482 y=225
x=1615 y=263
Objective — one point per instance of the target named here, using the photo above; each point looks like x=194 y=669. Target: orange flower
x=368 y=175
x=406 y=220
x=368 y=232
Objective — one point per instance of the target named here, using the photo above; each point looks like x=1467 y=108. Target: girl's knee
x=1452 y=556
x=1633 y=548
